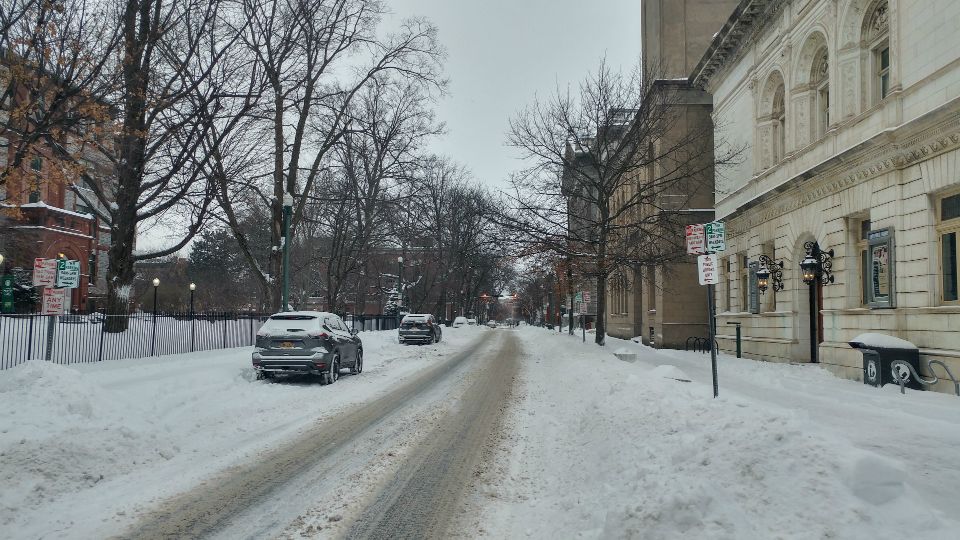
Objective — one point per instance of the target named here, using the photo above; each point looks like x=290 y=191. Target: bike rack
x=905 y=377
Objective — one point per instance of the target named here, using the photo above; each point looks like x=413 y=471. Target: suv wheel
x=334 y=372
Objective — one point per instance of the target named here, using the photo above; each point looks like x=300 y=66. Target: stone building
x=665 y=304
x=849 y=111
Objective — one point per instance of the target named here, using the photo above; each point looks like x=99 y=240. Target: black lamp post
x=153 y=341
x=817 y=265
x=769 y=269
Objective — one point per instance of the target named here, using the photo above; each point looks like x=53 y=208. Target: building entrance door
x=816 y=319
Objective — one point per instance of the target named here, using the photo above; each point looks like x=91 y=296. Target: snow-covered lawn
x=84 y=446
x=600 y=448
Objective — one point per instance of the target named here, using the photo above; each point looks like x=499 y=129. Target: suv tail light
x=318 y=335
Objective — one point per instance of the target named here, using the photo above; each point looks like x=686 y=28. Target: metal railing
x=70 y=339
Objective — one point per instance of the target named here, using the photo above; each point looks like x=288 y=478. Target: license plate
x=286 y=345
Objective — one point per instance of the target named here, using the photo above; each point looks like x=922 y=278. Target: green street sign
x=6 y=294
x=578 y=297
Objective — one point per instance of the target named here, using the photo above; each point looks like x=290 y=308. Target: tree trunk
x=120 y=276
x=601 y=338
x=570 y=295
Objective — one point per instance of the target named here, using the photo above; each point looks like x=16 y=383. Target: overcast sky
x=503 y=52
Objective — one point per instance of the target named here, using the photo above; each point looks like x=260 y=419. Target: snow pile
x=632 y=454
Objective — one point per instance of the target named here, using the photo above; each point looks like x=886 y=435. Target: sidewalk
x=600 y=448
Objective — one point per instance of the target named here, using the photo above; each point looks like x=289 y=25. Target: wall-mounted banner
x=696 y=239
x=709 y=267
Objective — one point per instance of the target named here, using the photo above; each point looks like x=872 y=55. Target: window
x=883 y=72
x=821 y=81
x=36 y=164
x=876 y=34
x=727 y=277
x=92 y=269
x=948 y=230
x=862 y=248
x=34 y=196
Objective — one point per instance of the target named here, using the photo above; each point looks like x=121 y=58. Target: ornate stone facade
x=872 y=142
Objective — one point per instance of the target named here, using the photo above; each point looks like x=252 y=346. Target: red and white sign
x=709 y=266
x=44 y=272
x=586 y=296
x=53 y=300
x=696 y=239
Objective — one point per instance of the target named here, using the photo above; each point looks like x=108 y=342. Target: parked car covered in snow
x=419 y=328
x=307 y=343
x=459 y=321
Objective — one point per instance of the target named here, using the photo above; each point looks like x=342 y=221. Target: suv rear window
x=291 y=323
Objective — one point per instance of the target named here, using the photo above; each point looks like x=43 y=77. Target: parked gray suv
x=309 y=343
x=419 y=328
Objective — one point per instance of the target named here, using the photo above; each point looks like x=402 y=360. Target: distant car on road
x=459 y=321
x=492 y=324
x=472 y=322
x=419 y=328
x=307 y=343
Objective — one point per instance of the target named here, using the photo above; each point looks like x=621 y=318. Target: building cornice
x=747 y=20
x=887 y=151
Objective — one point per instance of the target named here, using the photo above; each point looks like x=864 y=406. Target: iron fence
x=70 y=339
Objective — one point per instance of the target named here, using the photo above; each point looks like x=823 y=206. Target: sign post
x=706 y=241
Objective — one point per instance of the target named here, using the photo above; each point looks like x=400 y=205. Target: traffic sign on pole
x=716 y=235
x=709 y=269
x=68 y=274
x=696 y=239
x=53 y=301
x=44 y=272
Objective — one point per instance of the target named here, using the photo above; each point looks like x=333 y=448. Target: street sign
x=578 y=297
x=709 y=267
x=6 y=294
x=583 y=308
x=586 y=296
x=53 y=300
x=68 y=274
x=44 y=272
x=716 y=234
x=696 y=239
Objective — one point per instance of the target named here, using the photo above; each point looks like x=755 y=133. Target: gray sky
x=504 y=52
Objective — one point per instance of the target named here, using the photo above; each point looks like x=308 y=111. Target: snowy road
x=425 y=493
x=260 y=499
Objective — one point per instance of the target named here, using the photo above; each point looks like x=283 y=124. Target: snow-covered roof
x=871 y=340
x=42 y=204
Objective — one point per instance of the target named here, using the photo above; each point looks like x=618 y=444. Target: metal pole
x=739 y=347
x=286 y=257
x=713 y=333
x=51 y=324
x=192 y=324
x=153 y=342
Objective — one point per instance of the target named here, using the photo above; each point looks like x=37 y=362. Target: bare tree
x=314 y=58
x=617 y=167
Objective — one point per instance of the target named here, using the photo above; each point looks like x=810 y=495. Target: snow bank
x=871 y=340
x=630 y=454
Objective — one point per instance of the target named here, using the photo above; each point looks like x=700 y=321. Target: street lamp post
x=287 y=211
x=193 y=287
x=153 y=341
x=399 y=286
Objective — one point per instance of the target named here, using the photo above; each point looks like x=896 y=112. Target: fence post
x=103 y=325
x=225 y=330
x=30 y=340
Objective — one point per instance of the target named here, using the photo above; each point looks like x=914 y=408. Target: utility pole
x=287 y=211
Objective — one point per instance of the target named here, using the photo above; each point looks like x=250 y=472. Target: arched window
x=779 y=116
x=820 y=78
x=771 y=123
x=876 y=31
